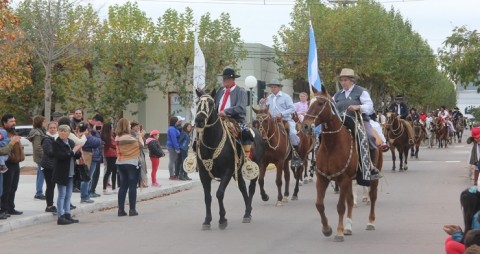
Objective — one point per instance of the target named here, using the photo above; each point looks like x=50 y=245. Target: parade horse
x=459 y=124
x=278 y=151
x=441 y=132
x=307 y=143
x=338 y=160
x=397 y=136
x=431 y=133
x=419 y=136
x=219 y=155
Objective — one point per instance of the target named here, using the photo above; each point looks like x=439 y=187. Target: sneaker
x=94 y=195
x=86 y=201
x=72 y=207
x=3 y=169
x=106 y=192
x=121 y=213
x=172 y=178
x=40 y=197
x=155 y=184
x=63 y=221
x=187 y=178
x=132 y=213
x=51 y=209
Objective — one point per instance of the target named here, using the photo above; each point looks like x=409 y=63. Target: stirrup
x=296 y=162
x=375 y=175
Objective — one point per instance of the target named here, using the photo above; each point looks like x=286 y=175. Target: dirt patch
x=28 y=170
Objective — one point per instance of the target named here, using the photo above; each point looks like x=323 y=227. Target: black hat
x=98 y=117
x=399 y=97
x=230 y=73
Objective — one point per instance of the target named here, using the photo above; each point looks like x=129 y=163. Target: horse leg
x=400 y=158
x=345 y=191
x=297 y=175
x=222 y=222
x=412 y=151
x=278 y=182
x=286 y=176
x=392 y=150
x=405 y=153
x=247 y=217
x=373 y=200
x=350 y=202
x=354 y=192
x=261 y=182
x=321 y=186
x=417 y=148
x=207 y=185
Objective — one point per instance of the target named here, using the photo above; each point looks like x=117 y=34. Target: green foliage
x=382 y=48
x=218 y=39
x=460 y=57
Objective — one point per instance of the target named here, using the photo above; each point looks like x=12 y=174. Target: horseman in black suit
x=399 y=107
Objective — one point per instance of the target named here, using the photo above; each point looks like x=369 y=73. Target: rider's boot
x=296 y=161
x=374 y=172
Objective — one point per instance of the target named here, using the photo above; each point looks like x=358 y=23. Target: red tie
x=225 y=98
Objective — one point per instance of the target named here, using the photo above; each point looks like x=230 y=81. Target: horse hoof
x=223 y=225
x=328 y=232
x=370 y=226
x=339 y=238
x=347 y=232
x=247 y=219
x=294 y=197
x=206 y=227
x=279 y=204
x=265 y=197
x=310 y=180
x=285 y=200
x=305 y=181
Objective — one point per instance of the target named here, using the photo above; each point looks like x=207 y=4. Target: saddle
x=233 y=127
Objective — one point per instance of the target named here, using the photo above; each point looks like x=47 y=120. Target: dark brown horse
x=337 y=160
x=441 y=132
x=419 y=137
x=278 y=151
x=307 y=143
x=220 y=156
x=397 y=136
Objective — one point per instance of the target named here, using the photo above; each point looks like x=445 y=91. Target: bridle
x=262 y=118
x=333 y=111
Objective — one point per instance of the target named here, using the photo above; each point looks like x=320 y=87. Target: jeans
x=1 y=185
x=10 y=185
x=85 y=186
x=129 y=175
x=40 y=180
x=172 y=156
x=64 y=196
x=95 y=178
x=179 y=171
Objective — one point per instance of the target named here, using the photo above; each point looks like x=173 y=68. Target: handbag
x=81 y=170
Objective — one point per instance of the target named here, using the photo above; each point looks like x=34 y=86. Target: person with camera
x=65 y=153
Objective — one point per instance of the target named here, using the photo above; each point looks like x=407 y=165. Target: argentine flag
x=313 y=75
x=198 y=75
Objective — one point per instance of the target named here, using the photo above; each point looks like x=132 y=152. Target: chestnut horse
x=418 y=138
x=307 y=143
x=277 y=151
x=220 y=156
x=337 y=160
x=441 y=132
x=396 y=134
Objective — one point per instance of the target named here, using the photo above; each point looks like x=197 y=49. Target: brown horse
x=307 y=143
x=441 y=132
x=337 y=160
x=277 y=151
x=397 y=136
x=419 y=133
x=459 y=124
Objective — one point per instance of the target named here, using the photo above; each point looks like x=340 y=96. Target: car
x=23 y=131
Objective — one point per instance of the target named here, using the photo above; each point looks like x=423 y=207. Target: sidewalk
x=34 y=210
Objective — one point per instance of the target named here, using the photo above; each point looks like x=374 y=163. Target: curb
x=13 y=224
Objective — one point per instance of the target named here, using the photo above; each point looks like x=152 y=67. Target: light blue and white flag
x=198 y=75
x=313 y=75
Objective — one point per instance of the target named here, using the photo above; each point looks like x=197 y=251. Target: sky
x=259 y=20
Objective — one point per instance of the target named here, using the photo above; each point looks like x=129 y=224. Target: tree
x=219 y=40
x=460 y=56
x=382 y=48
x=58 y=32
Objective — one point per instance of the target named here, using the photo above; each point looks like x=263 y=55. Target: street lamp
x=251 y=82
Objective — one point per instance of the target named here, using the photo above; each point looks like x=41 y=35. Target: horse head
x=321 y=110
x=262 y=121
x=205 y=109
x=391 y=119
